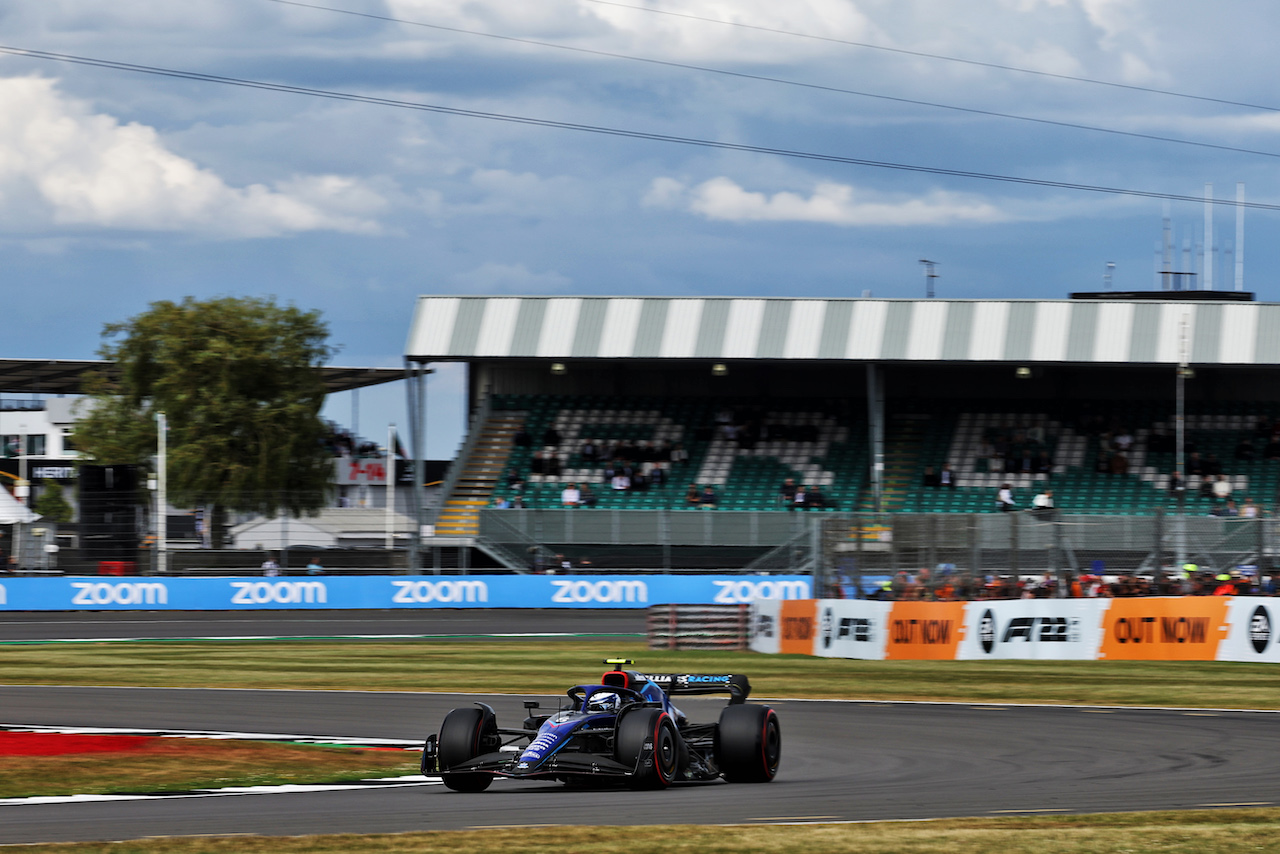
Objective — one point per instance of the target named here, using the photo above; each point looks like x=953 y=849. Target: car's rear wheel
x=748 y=744
x=648 y=738
x=462 y=738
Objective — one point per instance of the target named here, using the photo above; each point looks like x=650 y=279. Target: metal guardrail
x=698 y=626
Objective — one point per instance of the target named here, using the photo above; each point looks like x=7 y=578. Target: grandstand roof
x=66 y=376
x=1020 y=331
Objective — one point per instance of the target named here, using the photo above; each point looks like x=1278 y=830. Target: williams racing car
x=625 y=729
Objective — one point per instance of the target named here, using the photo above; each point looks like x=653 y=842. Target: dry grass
x=548 y=667
x=179 y=764
x=1203 y=832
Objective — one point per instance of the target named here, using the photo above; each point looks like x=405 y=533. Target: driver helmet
x=604 y=701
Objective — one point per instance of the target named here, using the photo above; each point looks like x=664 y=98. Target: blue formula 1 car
x=625 y=729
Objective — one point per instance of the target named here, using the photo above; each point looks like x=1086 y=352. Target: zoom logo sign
x=577 y=592
x=1260 y=629
x=742 y=592
x=120 y=593
x=421 y=592
x=279 y=592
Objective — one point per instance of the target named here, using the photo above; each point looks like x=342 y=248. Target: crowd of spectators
x=948 y=585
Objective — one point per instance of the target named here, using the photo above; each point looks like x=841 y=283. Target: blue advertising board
x=394 y=591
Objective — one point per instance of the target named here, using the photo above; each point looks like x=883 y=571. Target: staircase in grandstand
x=480 y=473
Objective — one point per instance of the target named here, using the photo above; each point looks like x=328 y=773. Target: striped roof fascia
x=463 y=328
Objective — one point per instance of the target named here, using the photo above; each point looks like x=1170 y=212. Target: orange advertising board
x=1174 y=629
x=925 y=630
x=799 y=619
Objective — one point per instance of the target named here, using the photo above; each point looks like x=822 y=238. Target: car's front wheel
x=748 y=744
x=648 y=741
x=462 y=738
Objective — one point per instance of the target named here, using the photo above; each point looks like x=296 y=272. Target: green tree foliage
x=51 y=504
x=237 y=379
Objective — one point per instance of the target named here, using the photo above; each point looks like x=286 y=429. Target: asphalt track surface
x=842 y=761
x=462 y=623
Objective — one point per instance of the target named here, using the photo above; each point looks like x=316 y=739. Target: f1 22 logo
x=1260 y=629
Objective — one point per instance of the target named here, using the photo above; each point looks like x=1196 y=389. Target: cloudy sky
x=118 y=188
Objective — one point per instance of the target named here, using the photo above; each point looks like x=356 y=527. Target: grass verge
x=180 y=764
x=1200 y=832
x=549 y=667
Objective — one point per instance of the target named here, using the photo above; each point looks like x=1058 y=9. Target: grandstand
x=859 y=399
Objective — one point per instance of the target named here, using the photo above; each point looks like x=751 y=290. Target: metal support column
x=875 y=418
x=416 y=391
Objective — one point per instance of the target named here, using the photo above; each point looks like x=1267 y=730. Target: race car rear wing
x=737 y=686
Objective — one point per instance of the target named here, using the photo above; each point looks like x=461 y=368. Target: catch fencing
x=963 y=549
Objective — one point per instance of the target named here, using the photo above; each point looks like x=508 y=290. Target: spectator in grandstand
x=1249 y=510
x=1176 y=482
x=588 y=498
x=515 y=482
x=639 y=482
x=1212 y=465
x=1004 y=498
x=314 y=567
x=931 y=477
x=658 y=475
x=553 y=465
x=522 y=439
x=787 y=492
x=551 y=437
x=1244 y=449
x=1222 y=488
x=1195 y=466
x=1119 y=463
x=517 y=503
x=801 y=500
x=1123 y=440
x=707 y=500
x=570 y=496
x=1042 y=504
x=819 y=501
x=500 y=502
x=590 y=452
x=679 y=456
x=1044 y=463
x=1272 y=450
x=946 y=477
x=1228 y=509
x=1206 y=487
x=538 y=465
x=270 y=568
x=620 y=482
x=692 y=497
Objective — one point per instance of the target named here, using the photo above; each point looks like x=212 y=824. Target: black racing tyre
x=748 y=744
x=462 y=738
x=635 y=732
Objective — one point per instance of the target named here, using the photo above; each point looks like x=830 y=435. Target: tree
x=51 y=504
x=238 y=382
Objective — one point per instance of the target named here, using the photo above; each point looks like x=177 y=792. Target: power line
x=925 y=55
x=785 y=82
x=625 y=133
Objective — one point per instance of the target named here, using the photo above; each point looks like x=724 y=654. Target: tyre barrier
x=699 y=626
